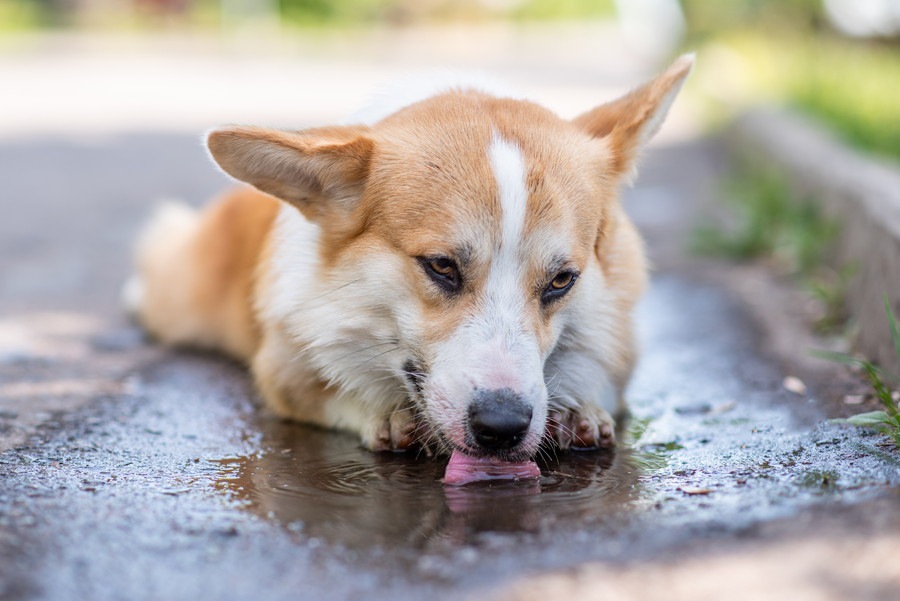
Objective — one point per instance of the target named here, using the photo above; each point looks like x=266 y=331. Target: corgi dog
x=453 y=269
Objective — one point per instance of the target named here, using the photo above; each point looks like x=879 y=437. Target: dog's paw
x=397 y=432
x=581 y=429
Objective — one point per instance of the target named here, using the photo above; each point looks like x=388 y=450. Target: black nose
x=499 y=419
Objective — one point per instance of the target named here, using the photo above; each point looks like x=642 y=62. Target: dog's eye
x=443 y=271
x=562 y=280
x=442 y=266
x=559 y=286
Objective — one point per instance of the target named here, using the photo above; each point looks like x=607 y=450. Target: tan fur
x=623 y=121
x=416 y=221
x=415 y=184
x=197 y=273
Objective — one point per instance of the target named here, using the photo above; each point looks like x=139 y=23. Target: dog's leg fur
x=293 y=389
x=584 y=394
x=587 y=373
x=196 y=273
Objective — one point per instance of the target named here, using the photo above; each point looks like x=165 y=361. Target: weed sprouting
x=829 y=288
x=887 y=420
x=772 y=222
x=823 y=480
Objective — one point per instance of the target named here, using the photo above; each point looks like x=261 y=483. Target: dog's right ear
x=321 y=171
x=628 y=123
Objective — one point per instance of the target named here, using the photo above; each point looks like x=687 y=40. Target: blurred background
x=91 y=67
x=103 y=102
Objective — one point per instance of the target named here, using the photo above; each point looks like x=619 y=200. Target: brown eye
x=443 y=272
x=562 y=280
x=559 y=286
x=442 y=266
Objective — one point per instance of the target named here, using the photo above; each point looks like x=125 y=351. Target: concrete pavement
x=129 y=471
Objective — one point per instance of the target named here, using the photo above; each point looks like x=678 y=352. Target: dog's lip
x=478 y=453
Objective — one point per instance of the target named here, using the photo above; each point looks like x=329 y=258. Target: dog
x=452 y=269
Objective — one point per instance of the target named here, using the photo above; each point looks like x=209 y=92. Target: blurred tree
x=162 y=7
x=336 y=11
x=708 y=17
x=323 y=11
x=57 y=13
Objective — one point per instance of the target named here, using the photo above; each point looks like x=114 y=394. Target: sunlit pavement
x=132 y=472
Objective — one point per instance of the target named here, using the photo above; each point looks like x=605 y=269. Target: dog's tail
x=160 y=294
x=162 y=239
x=195 y=272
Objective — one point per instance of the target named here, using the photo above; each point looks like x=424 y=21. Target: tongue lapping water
x=325 y=485
x=464 y=469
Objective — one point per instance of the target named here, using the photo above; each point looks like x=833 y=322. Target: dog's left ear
x=629 y=122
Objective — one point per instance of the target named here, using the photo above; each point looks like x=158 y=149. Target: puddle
x=136 y=501
x=714 y=442
x=326 y=486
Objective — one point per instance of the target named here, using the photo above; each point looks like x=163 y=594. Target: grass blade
x=870 y=419
x=895 y=335
x=837 y=357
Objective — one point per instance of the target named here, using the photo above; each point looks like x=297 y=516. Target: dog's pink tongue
x=464 y=469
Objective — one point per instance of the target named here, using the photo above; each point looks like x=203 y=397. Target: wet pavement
x=134 y=472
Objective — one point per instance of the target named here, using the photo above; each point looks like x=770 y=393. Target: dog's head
x=483 y=228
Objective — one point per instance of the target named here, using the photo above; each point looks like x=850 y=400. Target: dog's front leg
x=293 y=389
x=395 y=431
x=394 y=428
x=583 y=397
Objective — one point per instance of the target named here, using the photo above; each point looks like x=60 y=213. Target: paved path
x=132 y=472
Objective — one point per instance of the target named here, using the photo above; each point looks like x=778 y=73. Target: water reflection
x=326 y=485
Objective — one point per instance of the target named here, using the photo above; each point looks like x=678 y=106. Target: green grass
x=769 y=221
x=886 y=420
x=851 y=85
x=316 y=12
x=854 y=87
x=19 y=15
x=829 y=288
x=349 y=12
x=552 y=10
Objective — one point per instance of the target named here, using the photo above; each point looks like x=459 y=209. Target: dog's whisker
x=393 y=350
x=544 y=454
x=549 y=382
x=391 y=376
x=366 y=348
x=329 y=293
x=432 y=441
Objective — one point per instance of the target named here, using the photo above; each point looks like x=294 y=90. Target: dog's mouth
x=468 y=463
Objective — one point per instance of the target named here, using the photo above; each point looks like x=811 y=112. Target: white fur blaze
x=509 y=170
x=504 y=304
x=494 y=348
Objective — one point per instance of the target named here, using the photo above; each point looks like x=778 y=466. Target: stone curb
x=861 y=192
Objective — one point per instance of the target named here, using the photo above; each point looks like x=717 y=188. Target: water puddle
x=325 y=485
x=714 y=443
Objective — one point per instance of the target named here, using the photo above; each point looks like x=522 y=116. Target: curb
x=861 y=192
